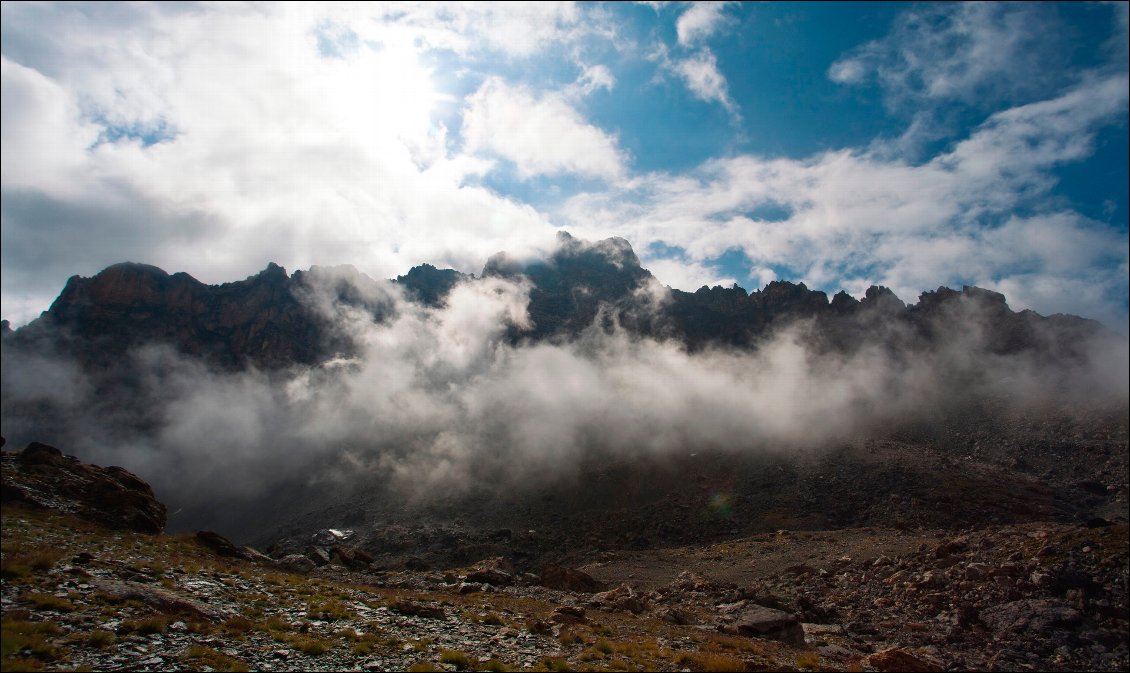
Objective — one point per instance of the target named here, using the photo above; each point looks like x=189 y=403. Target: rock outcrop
x=41 y=476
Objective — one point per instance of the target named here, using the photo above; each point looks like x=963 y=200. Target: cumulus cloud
x=595 y=77
x=700 y=21
x=683 y=275
x=858 y=218
x=42 y=130
x=271 y=149
x=542 y=135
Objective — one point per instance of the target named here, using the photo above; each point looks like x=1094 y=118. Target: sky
x=840 y=145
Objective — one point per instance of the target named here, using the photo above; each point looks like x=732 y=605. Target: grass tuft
x=199 y=656
x=460 y=660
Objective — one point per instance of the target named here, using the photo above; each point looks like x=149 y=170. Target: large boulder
x=496 y=571
x=758 y=621
x=898 y=659
x=554 y=576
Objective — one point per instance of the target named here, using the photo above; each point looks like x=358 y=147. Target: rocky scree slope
x=90 y=592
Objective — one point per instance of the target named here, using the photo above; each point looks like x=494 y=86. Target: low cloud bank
x=439 y=399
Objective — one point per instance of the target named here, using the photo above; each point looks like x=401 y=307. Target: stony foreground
x=78 y=596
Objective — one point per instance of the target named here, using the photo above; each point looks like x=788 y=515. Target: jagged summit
x=272 y=319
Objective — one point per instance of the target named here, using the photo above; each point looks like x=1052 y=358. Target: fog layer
x=439 y=399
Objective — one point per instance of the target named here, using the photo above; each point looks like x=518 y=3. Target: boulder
x=1034 y=616
x=40 y=454
x=351 y=557
x=256 y=556
x=621 y=598
x=218 y=543
x=156 y=597
x=415 y=609
x=319 y=556
x=568 y=614
x=296 y=563
x=558 y=577
x=898 y=659
x=762 y=622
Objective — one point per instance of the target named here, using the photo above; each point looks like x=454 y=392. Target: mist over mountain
x=437 y=382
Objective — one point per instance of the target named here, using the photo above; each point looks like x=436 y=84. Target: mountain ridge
x=267 y=320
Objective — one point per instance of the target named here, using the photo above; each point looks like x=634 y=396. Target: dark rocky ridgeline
x=262 y=321
x=272 y=320
x=41 y=476
x=429 y=285
x=579 y=280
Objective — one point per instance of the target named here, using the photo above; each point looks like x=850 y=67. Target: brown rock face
x=41 y=476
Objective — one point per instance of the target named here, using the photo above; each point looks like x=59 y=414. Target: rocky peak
x=578 y=278
x=429 y=285
x=882 y=299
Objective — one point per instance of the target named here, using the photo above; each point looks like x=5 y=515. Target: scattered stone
x=1038 y=615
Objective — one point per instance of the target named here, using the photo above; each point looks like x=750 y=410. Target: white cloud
x=542 y=134
x=700 y=21
x=701 y=75
x=511 y=29
x=596 y=77
x=684 y=275
x=43 y=134
x=857 y=218
x=275 y=153
x=977 y=53
x=848 y=70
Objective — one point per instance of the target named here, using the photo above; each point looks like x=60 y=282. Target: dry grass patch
x=147 y=626
x=19 y=561
x=199 y=656
x=710 y=661
x=460 y=660
x=27 y=645
x=98 y=639
x=807 y=660
x=553 y=664
x=239 y=625
x=315 y=647
x=327 y=609
x=41 y=601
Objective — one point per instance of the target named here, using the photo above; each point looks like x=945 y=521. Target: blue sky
x=838 y=144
